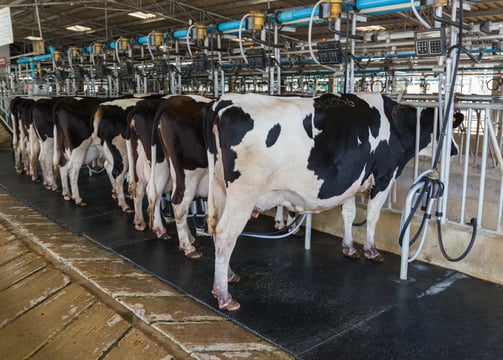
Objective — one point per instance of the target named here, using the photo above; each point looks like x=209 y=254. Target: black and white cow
x=110 y=123
x=140 y=139
x=74 y=145
x=17 y=143
x=306 y=154
x=24 y=142
x=43 y=127
x=179 y=123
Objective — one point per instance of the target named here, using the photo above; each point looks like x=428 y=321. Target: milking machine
x=429 y=186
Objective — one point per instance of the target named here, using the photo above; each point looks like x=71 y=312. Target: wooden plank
x=30 y=292
x=89 y=337
x=136 y=345
x=25 y=335
x=20 y=268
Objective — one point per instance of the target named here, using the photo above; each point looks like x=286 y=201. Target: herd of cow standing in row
x=245 y=153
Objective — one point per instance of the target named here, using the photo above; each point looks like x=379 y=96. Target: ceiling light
x=31 y=37
x=142 y=15
x=370 y=28
x=78 y=28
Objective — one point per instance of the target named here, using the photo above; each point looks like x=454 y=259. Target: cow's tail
x=209 y=116
x=131 y=144
x=209 y=137
x=152 y=185
x=56 y=155
x=96 y=118
x=15 y=128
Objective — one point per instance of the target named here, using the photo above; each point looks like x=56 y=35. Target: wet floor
x=313 y=304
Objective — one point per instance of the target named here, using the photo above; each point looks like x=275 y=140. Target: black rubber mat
x=315 y=304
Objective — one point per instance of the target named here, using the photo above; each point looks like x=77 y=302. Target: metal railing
x=475 y=177
x=5 y=113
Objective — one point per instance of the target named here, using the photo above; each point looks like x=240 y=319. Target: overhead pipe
x=380 y=7
x=38 y=57
x=34 y=59
x=297 y=14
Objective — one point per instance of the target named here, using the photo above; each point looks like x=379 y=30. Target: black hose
x=413 y=211
x=473 y=223
x=360 y=223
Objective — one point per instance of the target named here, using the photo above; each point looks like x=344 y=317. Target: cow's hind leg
x=230 y=225
x=108 y=169
x=279 y=222
x=374 y=207
x=34 y=150
x=348 y=216
x=45 y=158
x=139 y=219
x=65 y=189
x=185 y=238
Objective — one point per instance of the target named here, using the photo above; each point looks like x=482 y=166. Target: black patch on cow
x=210 y=119
x=180 y=120
x=73 y=116
x=143 y=131
x=342 y=150
x=308 y=125
x=272 y=135
x=113 y=123
x=233 y=125
x=41 y=114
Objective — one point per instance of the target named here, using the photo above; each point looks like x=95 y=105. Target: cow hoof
x=234 y=278
x=165 y=236
x=81 y=203
x=231 y=305
x=194 y=255
x=67 y=197
x=350 y=252
x=374 y=255
x=140 y=227
x=299 y=233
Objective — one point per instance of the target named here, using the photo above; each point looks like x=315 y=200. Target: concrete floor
x=62 y=297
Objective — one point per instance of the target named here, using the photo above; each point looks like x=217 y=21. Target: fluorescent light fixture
x=370 y=28
x=142 y=15
x=31 y=37
x=78 y=28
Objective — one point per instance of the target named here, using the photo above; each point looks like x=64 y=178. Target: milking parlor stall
x=266 y=136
